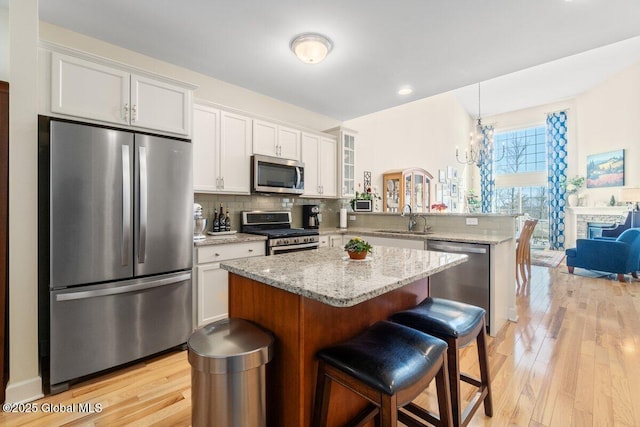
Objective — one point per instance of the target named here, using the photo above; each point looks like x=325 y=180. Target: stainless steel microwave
x=362 y=205
x=276 y=175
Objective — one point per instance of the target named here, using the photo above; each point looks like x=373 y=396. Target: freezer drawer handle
x=463 y=249
x=126 y=205
x=123 y=289
x=143 y=206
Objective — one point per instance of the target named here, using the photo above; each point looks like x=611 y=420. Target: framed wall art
x=605 y=169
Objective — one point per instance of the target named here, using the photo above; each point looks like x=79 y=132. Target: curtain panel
x=557 y=175
x=487 y=183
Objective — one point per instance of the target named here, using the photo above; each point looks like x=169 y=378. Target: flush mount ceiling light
x=311 y=48
x=406 y=90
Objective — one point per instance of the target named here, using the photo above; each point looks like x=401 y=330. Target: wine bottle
x=216 y=222
x=227 y=222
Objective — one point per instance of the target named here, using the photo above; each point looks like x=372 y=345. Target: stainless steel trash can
x=228 y=360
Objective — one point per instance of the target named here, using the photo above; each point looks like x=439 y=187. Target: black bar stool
x=458 y=324
x=389 y=365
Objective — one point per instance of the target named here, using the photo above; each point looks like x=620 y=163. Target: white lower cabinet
x=212 y=295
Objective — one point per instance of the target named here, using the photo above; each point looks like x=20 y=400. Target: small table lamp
x=632 y=195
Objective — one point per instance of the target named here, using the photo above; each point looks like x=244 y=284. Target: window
x=521 y=177
x=524 y=151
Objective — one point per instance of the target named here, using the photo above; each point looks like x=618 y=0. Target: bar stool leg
x=454 y=381
x=483 y=360
x=444 y=394
x=323 y=391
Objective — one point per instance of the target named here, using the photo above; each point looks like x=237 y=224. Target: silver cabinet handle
x=222 y=179
x=134 y=113
x=126 y=204
x=143 y=205
x=250 y=250
x=126 y=112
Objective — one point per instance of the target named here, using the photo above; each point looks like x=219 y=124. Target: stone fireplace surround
x=579 y=217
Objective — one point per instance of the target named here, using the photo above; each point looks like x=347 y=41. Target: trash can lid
x=230 y=345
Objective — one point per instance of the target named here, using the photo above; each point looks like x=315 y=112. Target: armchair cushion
x=621 y=255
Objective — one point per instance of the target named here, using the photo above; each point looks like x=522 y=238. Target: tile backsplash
x=329 y=208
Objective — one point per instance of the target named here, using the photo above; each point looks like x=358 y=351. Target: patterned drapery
x=487 y=183
x=557 y=174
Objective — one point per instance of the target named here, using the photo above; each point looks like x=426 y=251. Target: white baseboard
x=24 y=391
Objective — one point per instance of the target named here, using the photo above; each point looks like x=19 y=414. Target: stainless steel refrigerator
x=115 y=247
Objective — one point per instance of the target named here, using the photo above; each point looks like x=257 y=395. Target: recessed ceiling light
x=405 y=91
x=311 y=48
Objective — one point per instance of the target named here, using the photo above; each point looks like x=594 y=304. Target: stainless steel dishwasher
x=467 y=282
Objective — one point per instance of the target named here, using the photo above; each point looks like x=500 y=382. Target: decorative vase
x=357 y=255
x=572 y=199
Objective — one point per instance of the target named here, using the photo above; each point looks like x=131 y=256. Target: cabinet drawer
x=217 y=253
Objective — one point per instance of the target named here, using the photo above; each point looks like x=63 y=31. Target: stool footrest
x=470 y=380
x=416 y=410
x=473 y=405
x=364 y=416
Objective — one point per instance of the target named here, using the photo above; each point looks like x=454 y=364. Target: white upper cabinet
x=96 y=91
x=319 y=157
x=159 y=105
x=346 y=161
x=221 y=151
x=86 y=89
x=275 y=140
x=235 y=153
x=290 y=143
x=206 y=148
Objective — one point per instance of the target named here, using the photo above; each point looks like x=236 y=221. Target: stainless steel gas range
x=281 y=237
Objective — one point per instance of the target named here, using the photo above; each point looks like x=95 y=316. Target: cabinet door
x=85 y=89
x=265 y=138
x=160 y=106
x=289 y=143
x=206 y=146
x=335 y=241
x=348 y=165
x=235 y=153
x=327 y=166
x=310 y=148
x=213 y=294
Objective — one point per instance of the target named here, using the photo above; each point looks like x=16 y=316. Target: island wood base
x=302 y=327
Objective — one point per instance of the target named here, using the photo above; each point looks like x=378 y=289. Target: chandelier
x=480 y=150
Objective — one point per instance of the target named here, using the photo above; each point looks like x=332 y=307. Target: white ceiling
x=434 y=46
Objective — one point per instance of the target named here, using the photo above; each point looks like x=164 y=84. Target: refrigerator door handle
x=126 y=204
x=123 y=289
x=143 y=206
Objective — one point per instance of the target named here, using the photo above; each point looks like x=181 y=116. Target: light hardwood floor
x=572 y=359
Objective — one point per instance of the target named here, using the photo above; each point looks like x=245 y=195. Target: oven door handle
x=275 y=249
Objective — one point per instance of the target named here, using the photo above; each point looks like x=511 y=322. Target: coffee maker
x=310 y=216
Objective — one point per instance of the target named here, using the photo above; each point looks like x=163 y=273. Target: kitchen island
x=313 y=299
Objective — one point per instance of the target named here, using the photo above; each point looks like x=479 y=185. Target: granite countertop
x=450 y=236
x=228 y=238
x=329 y=276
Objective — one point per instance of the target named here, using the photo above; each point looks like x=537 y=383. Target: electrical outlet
x=352 y=218
x=471 y=221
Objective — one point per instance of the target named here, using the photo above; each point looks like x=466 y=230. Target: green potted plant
x=357 y=248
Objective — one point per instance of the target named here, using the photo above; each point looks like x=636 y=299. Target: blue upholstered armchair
x=620 y=255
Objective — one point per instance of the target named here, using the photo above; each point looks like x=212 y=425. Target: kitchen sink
x=418 y=232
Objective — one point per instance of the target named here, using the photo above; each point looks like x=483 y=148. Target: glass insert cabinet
x=406 y=187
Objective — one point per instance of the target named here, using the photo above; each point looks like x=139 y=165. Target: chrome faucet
x=413 y=222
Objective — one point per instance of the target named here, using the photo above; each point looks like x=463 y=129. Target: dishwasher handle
x=460 y=248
